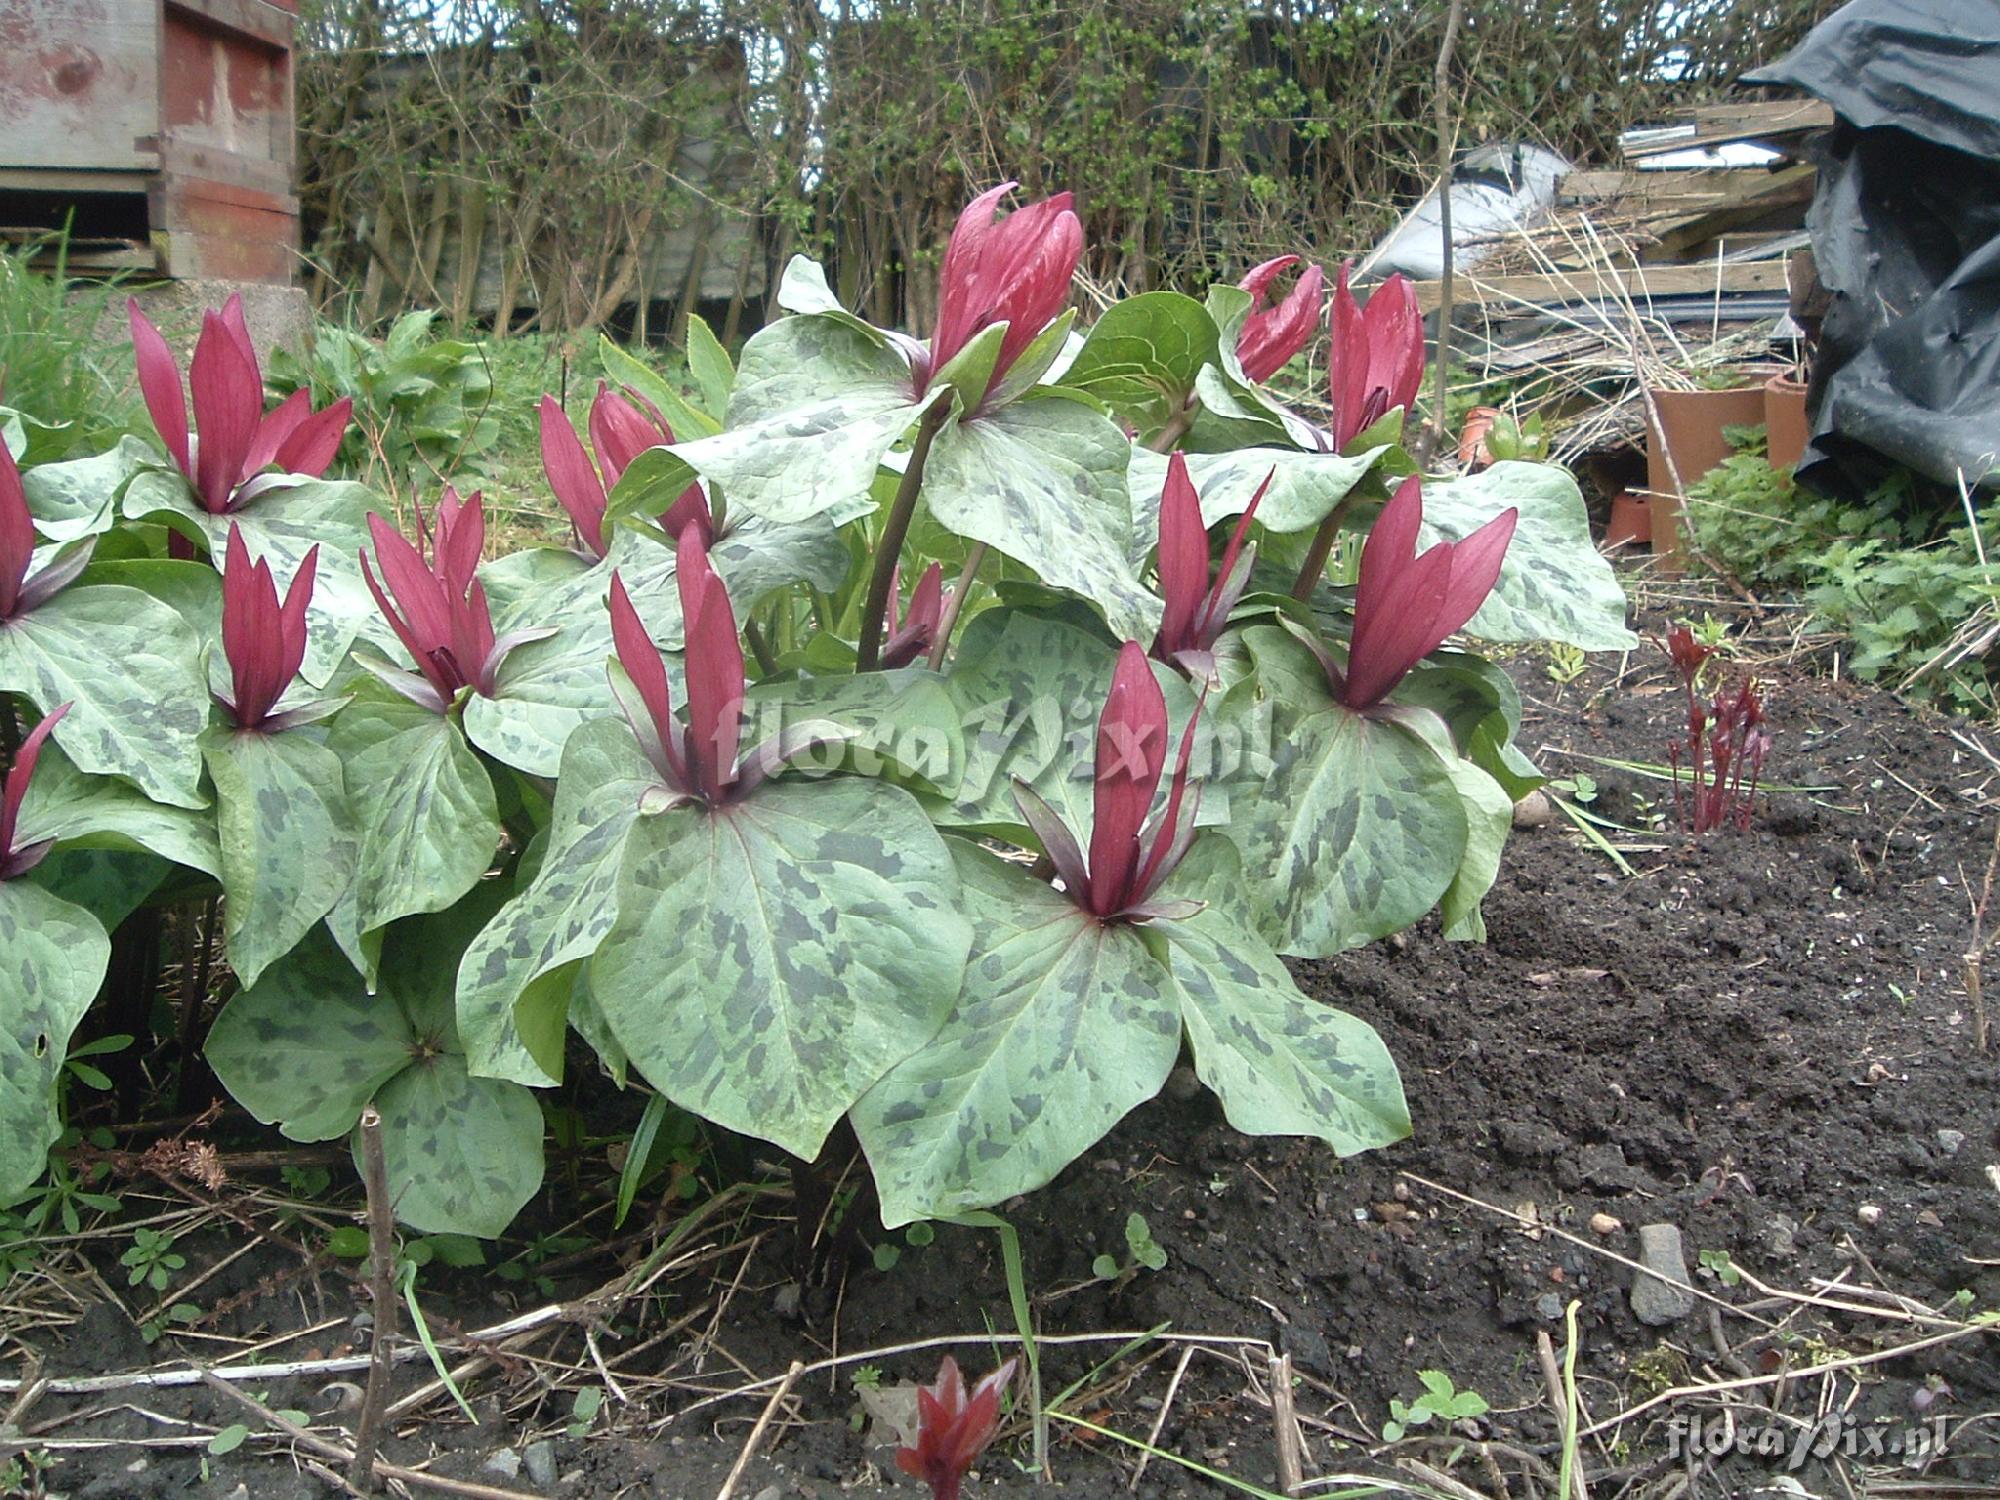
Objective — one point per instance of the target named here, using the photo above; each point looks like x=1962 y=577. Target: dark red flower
x=1406 y=605
x=1014 y=270
x=236 y=438
x=1376 y=360
x=903 y=643
x=953 y=1429
x=620 y=431
x=1197 y=610
x=1272 y=335
x=18 y=592
x=264 y=641
x=18 y=859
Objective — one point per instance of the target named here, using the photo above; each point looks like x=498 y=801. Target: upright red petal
x=458 y=537
x=228 y=410
x=714 y=667
x=1228 y=588
x=314 y=442
x=12 y=861
x=239 y=333
x=1016 y=271
x=277 y=427
x=962 y=294
x=1183 y=559
x=292 y=618
x=252 y=635
x=472 y=638
x=1131 y=752
x=1346 y=363
x=643 y=664
x=620 y=432
x=17 y=535
x=1271 y=336
x=1475 y=569
x=578 y=489
x=160 y=384
x=1396 y=342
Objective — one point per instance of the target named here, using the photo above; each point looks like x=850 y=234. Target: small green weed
x=1441 y=1401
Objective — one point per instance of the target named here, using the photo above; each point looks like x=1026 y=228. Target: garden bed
x=1762 y=1040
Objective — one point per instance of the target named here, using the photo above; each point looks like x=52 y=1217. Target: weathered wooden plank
x=79 y=85
x=1638 y=283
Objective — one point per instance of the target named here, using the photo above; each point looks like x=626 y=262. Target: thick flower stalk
x=17 y=858
x=1375 y=362
x=953 y=1429
x=1198 y=609
x=1130 y=855
x=914 y=635
x=1406 y=605
x=1273 y=333
x=700 y=761
x=1014 y=270
x=439 y=611
x=234 y=438
x=265 y=641
x=619 y=432
x=20 y=594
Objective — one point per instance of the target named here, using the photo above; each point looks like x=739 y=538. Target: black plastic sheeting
x=1905 y=228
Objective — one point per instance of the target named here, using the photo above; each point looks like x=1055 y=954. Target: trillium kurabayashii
x=903 y=643
x=19 y=859
x=1014 y=270
x=620 y=431
x=953 y=1429
x=1197 y=610
x=1406 y=605
x=265 y=641
x=701 y=762
x=1375 y=362
x=1129 y=858
x=443 y=621
x=234 y=438
x=1272 y=335
x=19 y=594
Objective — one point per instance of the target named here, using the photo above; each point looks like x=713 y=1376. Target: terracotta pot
x=1631 y=523
x=1785 y=427
x=1693 y=440
x=1472 y=450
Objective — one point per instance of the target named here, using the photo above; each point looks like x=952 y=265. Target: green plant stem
x=954 y=604
x=382 y=1253
x=1177 y=426
x=869 y=650
x=759 y=647
x=1314 y=566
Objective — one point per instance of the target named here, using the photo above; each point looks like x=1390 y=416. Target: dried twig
x=1291 y=1447
x=382 y=1251
x=757 y=1432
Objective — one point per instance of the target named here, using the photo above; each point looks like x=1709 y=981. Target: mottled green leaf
x=193 y=590
x=511 y=1023
x=101 y=812
x=1357 y=829
x=1489 y=817
x=1305 y=487
x=1065 y=1024
x=56 y=954
x=905 y=722
x=773 y=959
x=464 y=1154
x=79 y=497
x=108 y=883
x=1554 y=584
x=421 y=802
x=288 y=845
x=132 y=668
x=816 y=407
x=1479 y=702
x=1043 y=481
x=1141 y=358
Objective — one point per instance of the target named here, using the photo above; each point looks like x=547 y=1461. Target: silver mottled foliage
x=101 y=812
x=1304 y=488
x=773 y=959
x=55 y=958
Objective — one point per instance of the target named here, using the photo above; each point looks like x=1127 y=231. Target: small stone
x=1781 y=1237
x=1533 y=810
x=1604 y=1224
x=1929 y=1219
x=506 y=1463
x=1183 y=1084
x=1400 y=1192
x=1549 y=1306
x=540 y=1462
x=1661 y=1293
x=771 y=1492
x=1949 y=1141
x=1868 y=1213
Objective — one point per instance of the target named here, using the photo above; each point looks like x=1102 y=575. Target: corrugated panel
x=79 y=83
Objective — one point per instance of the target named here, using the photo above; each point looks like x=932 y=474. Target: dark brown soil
x=1762 y=1039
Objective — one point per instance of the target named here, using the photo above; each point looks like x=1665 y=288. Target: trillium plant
x=923 y=744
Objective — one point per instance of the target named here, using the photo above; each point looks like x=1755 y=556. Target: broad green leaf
x=421 y=803
x=108 y=883
x=280 y=525
x=56 y=955
x=1479 y=702
x=100 y=812
x=193 y=590
x=33 y=441
x=1357 y=829
x=1142 y=357
x=904 y=722
x=803 y=290
x=511 y=1023
x=1043 y=481
x=545 y=690
x=306 y=1047
x=1029 y=692
x=1305 y=487
x=773 y=959
x=1489 y=818
x=1280 y=1062
x=816 y=408
x=288 y=845
x=79 y=497
x=1065 y=1025
x=1554 y=583
x=516 y=583
x=686 y=419
x=132 y=668
x=464 y=1154
x=710 y=365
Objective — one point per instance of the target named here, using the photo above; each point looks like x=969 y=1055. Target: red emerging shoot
x=1725 y=746
x=953 y=1428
